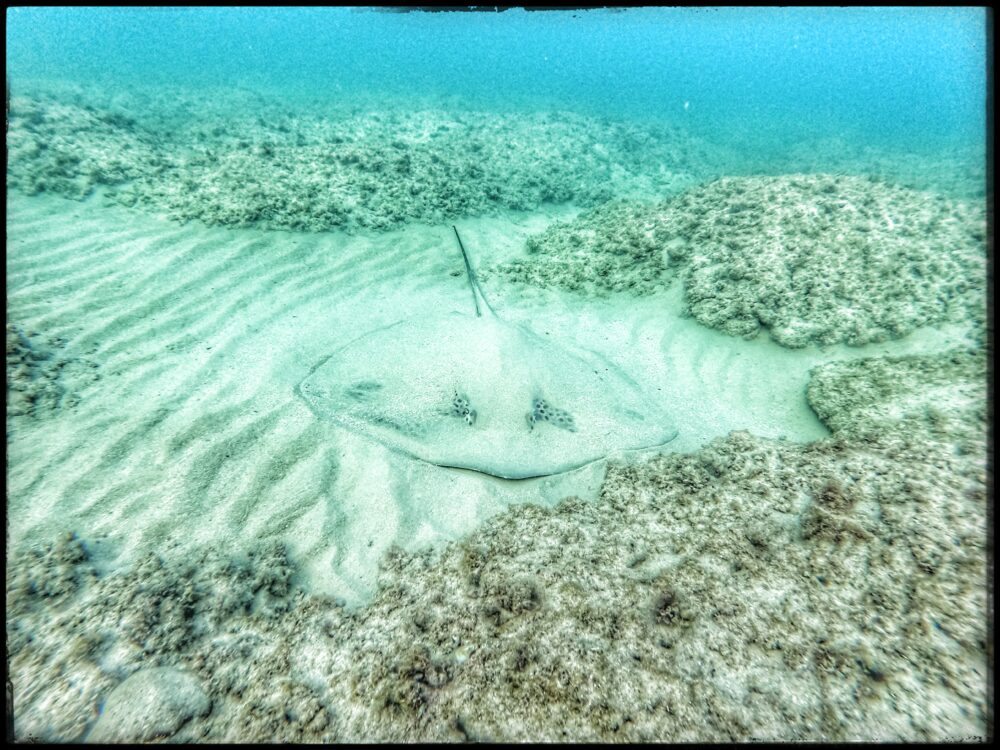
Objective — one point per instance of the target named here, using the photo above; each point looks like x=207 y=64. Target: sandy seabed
x=188 y=544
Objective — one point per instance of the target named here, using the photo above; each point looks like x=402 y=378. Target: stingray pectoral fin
x=456 y=390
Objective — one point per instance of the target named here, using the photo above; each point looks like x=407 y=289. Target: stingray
x=481 y=393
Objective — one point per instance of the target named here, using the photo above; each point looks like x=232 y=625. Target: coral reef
x=317 y=170
x=754 y=589
x=816 y=259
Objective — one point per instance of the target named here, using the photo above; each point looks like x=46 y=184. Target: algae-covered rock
x=49 y=572
x=858 y=395
x=68 y=147
x=820 y=259
x=814 y=259
x=957 y=170
x=616 y=247
x=312 y=168
x=41 y=379
x=33 y=386
x=223 y=623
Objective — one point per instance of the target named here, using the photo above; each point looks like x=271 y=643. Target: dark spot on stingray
x=363 y=389
x=460 y=408
x=542 y=411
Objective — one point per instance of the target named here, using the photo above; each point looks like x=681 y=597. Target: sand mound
x=288 y=168
x=751 y=590
x=816 y=259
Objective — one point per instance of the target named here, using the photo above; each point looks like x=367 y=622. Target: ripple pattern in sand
x=191 y=430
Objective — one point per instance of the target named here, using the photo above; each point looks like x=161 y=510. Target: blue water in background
x=888 y=75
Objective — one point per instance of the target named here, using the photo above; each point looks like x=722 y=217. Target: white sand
x=193 y=434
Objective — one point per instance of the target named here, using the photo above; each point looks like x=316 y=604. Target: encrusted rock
x=814 y=259
x=316 y=169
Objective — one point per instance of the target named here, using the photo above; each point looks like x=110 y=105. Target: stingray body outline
x=483 y=394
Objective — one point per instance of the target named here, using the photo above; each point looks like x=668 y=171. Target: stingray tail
x=477 y=292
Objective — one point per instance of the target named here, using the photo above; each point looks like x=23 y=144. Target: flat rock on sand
x=151 y=703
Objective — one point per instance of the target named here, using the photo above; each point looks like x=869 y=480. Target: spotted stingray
x=481 y=393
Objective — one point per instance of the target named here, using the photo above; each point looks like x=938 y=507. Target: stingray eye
x=543 y=411
x=460 y=408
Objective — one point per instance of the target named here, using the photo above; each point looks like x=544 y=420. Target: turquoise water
x=889 y=73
